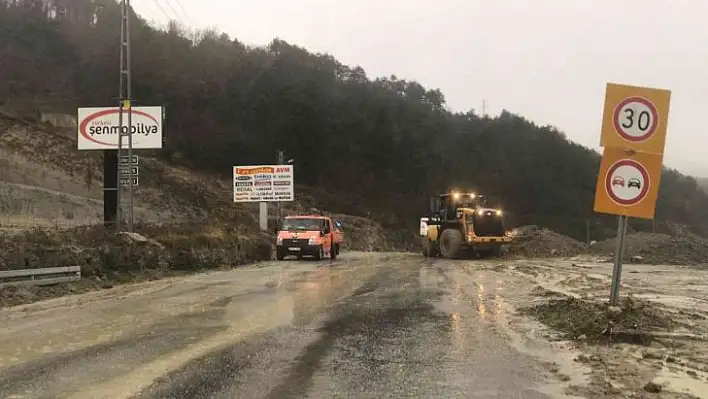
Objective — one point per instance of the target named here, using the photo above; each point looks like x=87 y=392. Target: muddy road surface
x=364 y=326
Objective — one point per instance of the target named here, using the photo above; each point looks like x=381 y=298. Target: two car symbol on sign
x=633 y=182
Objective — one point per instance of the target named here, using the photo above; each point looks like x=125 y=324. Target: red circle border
x=608 y=182
x=652 y=109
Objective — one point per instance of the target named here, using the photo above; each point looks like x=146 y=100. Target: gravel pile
x=536 y=242
x=655 y=248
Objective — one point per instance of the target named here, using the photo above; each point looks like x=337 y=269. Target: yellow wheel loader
x=460 y=225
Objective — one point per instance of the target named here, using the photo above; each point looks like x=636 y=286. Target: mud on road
x=656 y=344
x=366 y=326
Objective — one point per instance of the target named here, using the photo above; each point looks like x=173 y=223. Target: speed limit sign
x=635 y=118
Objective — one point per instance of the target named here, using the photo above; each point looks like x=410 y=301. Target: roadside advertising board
x=98 y=128
x=263 y=183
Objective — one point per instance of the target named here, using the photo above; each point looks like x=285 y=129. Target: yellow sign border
x=645 y=208
x=615 y=94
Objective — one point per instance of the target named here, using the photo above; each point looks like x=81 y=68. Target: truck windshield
x=302 y=224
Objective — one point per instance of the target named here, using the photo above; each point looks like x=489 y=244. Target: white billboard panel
x=98 y=128
x=264 y=183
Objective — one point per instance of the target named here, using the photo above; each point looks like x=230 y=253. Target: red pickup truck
x=309 y=235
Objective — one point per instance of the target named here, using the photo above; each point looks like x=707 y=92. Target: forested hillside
x=703 y=183
x=384 y=144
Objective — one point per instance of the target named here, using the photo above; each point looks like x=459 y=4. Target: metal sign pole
x=129 y=98
x=619 y=254
x=119 y=213
x=124 y=96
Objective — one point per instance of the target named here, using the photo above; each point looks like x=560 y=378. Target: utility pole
x=281 y=161
x=484 y=108
x=125 y=101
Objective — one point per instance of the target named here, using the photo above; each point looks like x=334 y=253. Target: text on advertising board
x=99 y=128
x=258 y=183
x=253 y=171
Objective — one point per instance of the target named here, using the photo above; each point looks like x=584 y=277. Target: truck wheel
x=337 y=246
x=333 y=252
x=320 y=253
x=279 y=255
x=450 y=243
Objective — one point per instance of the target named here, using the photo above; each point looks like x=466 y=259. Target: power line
x=173 y=9
x=162 y=10
x=186 y=14
x=151 y=10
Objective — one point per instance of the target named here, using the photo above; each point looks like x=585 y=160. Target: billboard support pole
x=263 y=215
x=279 y=215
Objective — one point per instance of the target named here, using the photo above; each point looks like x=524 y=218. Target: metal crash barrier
x=45 y=276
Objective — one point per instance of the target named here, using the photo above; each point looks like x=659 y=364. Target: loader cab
x=450 y=207
x=468 y=213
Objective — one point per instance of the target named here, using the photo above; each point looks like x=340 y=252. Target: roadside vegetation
x=388 y=143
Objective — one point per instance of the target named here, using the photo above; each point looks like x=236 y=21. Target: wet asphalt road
x=365 y=326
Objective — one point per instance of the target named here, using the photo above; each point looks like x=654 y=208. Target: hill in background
x=366 y=146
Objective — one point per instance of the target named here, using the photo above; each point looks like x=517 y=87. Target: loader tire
x=450 y=243
x=426 y=247
x=430 y=249
x=496 y=252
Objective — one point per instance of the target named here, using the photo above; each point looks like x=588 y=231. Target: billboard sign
x=98 y=128
x=263 y=183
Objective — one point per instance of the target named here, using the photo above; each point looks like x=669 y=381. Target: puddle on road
x=479 y=298
x=60 y=374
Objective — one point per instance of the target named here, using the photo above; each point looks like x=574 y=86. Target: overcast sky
x=548 y=60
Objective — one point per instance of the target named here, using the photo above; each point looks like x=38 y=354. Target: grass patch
x=595 y=322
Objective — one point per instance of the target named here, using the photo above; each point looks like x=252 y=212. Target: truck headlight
x=499 y=212
x=312 y=241
x=279 y=241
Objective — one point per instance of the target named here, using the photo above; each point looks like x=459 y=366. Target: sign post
x=263 y=215
x=619 y=253
x=634 y=125
x=263 y=184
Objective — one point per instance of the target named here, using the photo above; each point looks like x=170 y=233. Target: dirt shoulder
x=654 y=344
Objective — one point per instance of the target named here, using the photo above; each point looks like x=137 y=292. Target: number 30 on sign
x=635 y=117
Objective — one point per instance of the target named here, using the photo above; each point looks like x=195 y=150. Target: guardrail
x=46 y=276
